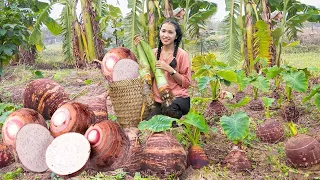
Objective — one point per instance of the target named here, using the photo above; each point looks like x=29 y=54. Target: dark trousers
x=179 y=107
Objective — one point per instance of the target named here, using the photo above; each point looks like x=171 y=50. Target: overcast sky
x=55 y=13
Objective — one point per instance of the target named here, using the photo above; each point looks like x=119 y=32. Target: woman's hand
x=164 y=66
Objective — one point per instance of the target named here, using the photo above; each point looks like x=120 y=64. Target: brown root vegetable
x=16 y=120
x=44 y=96
x=197 y=158
x=302 y=150
x=162 y=156
x=133 y=162
x=96 y=104
x=112 y=57
x=109 y=145
x=270 y=131
x=68 y=154
x=71 y=117
x=236 y=160
x=31 y=145
x=256 y=105
x=125 y=69
x=289 y=111
x=215 y=109
x=6 y=156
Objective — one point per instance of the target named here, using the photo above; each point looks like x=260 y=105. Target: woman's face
x=167 y=34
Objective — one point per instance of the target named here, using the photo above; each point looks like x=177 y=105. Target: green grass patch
x=302 y=60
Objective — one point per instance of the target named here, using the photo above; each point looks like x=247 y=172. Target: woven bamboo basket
x=127 y=100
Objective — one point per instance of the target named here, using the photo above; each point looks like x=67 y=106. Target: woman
x=175 y=63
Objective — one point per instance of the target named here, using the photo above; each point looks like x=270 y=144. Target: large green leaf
x=236 y=126
x=195 y=120
x=242 y=80
x=272 y=72
x=203 y=82
x=261 y=83
x=244 y=101
x=228 y=75
x=66 y=31
x=296 y=80
x=157 y=123
x=314 y=91
x=267 y=102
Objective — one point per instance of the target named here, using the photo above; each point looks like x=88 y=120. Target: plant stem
x=267 y=112
x=288 y=92
x=214 y=89
x=255 y=93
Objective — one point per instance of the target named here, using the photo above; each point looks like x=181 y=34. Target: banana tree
x=197 y=13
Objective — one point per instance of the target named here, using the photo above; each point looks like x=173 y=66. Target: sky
x=55 y=13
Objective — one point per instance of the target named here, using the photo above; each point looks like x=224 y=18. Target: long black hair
x=177 y=41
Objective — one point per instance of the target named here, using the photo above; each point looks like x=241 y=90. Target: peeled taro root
x=45 y=96
x=270 y=131
x=71 y=117
x=31 y=145
x=68 y=154
x=109 y=145
x=6 y=156
x=96 y=104
x=16 y=120
x=197 y=158
x=112 y=57
x=162 y=156
x=237 y=160
x=302 y=150
x=125 y=69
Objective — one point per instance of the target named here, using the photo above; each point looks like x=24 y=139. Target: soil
x=268 y=160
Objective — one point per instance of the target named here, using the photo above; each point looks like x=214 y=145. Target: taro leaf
x=195 y=120
x=202 y=82
x=261 y=83
x=242 y=80
x=244 y=101
x=157 y=123
x=317 y=101
x=228 y=75
x=267 y=102
x=296 y=80
x=236 y=126
x=273 y=72
x=313 y=92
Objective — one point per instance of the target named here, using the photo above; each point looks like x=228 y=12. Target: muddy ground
x=268 y=160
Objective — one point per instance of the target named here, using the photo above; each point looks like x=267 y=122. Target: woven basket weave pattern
x=127 y=100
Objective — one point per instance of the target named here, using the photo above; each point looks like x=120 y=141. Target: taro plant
x=267 y=102
x=236 y=127
x=193 y=125
x=258 y=82
x=315 y=92
x=295 y=80
x=209 y=71
x=242 y=82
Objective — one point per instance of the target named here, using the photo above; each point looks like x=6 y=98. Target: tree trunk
x=86 y=9
x=168 y=12
x=249 y=39
x=151 y=24
x=266 y=14
x=27 y=55
x=98 y=43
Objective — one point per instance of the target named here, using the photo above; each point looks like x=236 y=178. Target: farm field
x=79 y=88
x=268 y=160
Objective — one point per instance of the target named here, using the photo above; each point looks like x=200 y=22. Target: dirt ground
x=268 y=160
